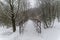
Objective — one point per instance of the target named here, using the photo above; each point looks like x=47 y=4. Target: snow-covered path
x=29 y=28
x=30 y=33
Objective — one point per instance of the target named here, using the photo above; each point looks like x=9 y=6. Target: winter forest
x=29 y=19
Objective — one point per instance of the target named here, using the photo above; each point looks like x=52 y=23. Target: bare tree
x=48 y=13
x=11 y=12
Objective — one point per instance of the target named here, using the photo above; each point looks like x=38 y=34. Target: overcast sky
x=33 y=3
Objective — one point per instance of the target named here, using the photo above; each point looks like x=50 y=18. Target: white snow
x=30 y=33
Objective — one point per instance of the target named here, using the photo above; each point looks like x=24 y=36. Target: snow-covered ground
x=30 y=33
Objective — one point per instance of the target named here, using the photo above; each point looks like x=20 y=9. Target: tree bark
x=12 y=17
x=13 y=23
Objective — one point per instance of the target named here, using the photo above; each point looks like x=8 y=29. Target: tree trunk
x=13 y=23
x=38 y=27
x=12 y=14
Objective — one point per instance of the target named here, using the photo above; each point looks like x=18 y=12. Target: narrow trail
x=30 y=32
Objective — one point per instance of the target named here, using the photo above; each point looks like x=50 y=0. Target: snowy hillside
x=30 y=33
